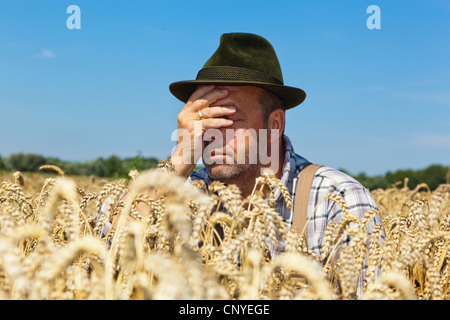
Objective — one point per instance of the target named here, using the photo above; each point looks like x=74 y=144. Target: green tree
x=24 y=162
x=96 y=168
x=139 y=163
x=114 y=167
x=433 y=176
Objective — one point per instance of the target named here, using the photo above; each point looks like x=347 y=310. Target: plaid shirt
x=325 y=181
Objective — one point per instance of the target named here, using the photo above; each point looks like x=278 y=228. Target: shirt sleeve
x=351 y=198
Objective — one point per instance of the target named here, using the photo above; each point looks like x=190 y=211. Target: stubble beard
x=231 y=172
x=241 y=173
x=235 y=172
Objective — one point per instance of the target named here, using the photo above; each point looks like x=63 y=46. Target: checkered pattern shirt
x=325 y=181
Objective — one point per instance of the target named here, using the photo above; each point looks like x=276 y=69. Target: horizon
x=201 y=164
x=378 y=100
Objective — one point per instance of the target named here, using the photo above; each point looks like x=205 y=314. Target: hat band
x=235 y=74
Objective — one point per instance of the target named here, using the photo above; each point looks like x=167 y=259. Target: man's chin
x=223 y=171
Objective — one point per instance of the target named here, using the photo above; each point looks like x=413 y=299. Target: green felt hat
x=242 y=59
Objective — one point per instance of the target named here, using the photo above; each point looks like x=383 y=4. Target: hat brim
x=291 y=96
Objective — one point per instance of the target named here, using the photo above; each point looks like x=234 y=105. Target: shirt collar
x=290 y=167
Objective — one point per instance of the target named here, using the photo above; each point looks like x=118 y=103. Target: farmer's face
x=232 y=151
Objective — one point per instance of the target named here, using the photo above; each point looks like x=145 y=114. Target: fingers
x=202 y=99
x=204 y=96
x=216 y=123
x=218 y=111
x=201 y=90
x=215 y=117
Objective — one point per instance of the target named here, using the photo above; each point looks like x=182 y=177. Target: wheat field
x=54 y=243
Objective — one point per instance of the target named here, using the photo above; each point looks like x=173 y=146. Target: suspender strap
x=304 y=183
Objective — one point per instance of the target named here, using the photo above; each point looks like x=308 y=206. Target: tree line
x=433 y=176
x=116 y=167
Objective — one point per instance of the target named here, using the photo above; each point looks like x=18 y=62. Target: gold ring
x=200 y=114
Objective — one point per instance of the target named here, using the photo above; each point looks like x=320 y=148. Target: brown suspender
x=304 y=183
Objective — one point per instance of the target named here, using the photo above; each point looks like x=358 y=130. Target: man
x=241 y=88
x=234 y=117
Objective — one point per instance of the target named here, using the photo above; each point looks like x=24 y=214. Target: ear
x=276 y=121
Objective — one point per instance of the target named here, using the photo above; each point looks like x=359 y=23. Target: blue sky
x=377 y=100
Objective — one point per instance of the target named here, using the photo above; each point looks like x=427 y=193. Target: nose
x=220 y=137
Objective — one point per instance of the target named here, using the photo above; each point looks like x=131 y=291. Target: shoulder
x=326 y=176
x=328 y=180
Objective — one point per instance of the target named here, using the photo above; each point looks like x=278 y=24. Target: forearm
x=183 y=167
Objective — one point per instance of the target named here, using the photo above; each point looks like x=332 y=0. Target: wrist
x=182 y=167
